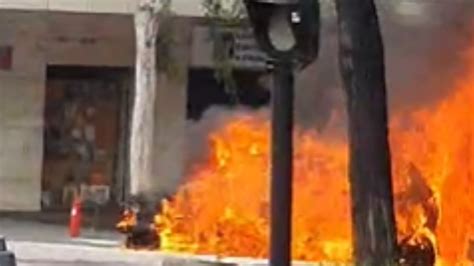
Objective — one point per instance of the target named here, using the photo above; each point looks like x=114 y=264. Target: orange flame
x=223 y=207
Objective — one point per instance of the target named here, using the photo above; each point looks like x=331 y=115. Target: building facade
x=61 y=58
x=66 y=84
x=66 y=70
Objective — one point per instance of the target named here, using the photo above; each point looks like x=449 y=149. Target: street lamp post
x=282 y=164
x=288 y=31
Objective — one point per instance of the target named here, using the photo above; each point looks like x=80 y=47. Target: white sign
x=244 y=49
x=246 y=52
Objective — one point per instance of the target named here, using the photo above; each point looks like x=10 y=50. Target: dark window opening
x=204 y=91
x=6 y=57
x=85 y=72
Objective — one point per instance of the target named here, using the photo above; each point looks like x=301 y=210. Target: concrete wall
x=54 y=38
x=89 y=40
x=21 y=105
x=170 y=125
x=39 y=39
x=181 y=7
x=85 y=6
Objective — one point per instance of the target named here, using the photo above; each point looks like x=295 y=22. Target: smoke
x=425 y=43
x=425 y=51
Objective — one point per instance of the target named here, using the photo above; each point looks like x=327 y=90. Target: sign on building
x=243 y=48
x=6 y=57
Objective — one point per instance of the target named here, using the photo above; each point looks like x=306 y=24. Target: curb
x=7 y=258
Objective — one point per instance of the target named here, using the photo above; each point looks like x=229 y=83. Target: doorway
x=84 y=115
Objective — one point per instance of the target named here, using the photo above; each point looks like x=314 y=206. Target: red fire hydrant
x=75 y=218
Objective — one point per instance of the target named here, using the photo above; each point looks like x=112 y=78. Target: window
x=6 y=57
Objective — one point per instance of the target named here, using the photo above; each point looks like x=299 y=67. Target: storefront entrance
x=83 y=147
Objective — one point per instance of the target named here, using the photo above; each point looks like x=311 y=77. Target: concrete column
x=21 y=114
x=170 y=116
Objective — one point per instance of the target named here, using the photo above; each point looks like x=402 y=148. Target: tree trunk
x=142 y=133
x=363 y=73
x=123 y=161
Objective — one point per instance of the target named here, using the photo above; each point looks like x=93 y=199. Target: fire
x=225 y=203
x=223 y=206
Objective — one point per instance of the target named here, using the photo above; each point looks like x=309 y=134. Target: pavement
x=21 y=230
x=38 y=244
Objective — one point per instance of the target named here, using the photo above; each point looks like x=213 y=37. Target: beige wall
x=42 y=38
x=21 y=105
x=170 y=120
x=181 y=7
x=97 y=40
x=39 y=39
x=88 y=6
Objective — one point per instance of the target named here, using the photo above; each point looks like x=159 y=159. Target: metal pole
x=282 y=164
x=3 y=244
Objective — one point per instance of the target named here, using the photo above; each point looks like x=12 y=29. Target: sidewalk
x=39 y=244
x=106 y=219
x=37 y=232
